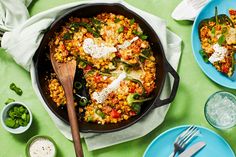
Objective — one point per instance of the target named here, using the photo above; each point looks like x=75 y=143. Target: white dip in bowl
x=41 y=146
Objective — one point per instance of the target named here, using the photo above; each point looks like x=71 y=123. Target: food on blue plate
x=218 y=41
x=116 y=61
x=232 y=14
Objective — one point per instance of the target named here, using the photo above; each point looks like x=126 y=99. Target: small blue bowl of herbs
x=16 y=117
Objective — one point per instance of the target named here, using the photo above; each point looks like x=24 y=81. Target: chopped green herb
x=106 y=72
x=16 y=89
x=136 y=107
x=27 y=118
x=11 y=114
x=23 y=116
x=146 y=52
x=95 y=21
x=132 y=21
x=127 y=69
x=82 y=64
x=22 y=110
x=89 y=28
x=135 y=32
x=9 y=100
x=213 y=30
x=100 y=113
x=10 y=122
x=117 y=20
x=143 y=37
x=74 y=26
x=204 y=55
x=90 y=72
x=114 y=62
x=221 y=40
x=17 y=116
x=142 y=59
x=16 y=123
x=90 y=119
x=67 y=36
x=21 y=122
x=121 y=29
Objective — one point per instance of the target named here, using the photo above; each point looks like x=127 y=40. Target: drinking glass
x=220 y=110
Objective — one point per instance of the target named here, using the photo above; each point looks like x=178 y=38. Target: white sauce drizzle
x=219 y=53
x=97 y=51
x=127 y=43
x=42 y=147
x=101 y=96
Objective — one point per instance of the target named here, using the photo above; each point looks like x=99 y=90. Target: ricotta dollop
x=97 y=51
x=219 y=53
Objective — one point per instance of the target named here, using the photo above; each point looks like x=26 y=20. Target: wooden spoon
x=66 y=73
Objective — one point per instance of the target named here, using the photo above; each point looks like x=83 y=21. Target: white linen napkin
x=13 y=13
x=188 y=9
x=23 y=41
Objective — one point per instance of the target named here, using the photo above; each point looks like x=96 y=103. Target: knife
x=193 y=149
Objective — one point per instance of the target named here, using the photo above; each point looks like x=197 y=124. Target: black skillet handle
x=169 y=69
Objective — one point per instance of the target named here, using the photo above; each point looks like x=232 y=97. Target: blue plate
x=207 y=12
x=216 y=146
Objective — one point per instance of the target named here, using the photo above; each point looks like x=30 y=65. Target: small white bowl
x=41 y=145
x=20 y=129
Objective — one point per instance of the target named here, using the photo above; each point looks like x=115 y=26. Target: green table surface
x=188 y=107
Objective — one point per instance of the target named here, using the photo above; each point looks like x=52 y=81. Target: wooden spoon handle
x=73 y=121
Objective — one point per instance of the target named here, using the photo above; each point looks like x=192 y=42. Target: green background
x=187 y=108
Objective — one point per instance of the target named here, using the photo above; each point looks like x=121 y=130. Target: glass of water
x=220 y=110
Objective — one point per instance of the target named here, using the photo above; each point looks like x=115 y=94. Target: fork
x=184 y=138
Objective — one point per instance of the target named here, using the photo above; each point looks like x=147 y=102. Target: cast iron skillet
x=43 y=66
